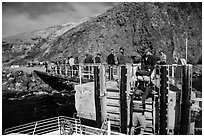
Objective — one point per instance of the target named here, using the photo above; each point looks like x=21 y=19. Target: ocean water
x=36 y=107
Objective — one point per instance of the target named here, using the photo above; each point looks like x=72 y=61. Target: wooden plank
x=114 y=116
x=113 y=101
x=113 y=105
x=110 y=108
x=113 y=94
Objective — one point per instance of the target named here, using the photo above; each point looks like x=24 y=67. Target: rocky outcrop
x=18 y=84
x=134 y=26
x=137 y=26
x=22 y=48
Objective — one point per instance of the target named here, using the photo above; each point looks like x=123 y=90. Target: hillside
x=21 y=48
x=134 y=26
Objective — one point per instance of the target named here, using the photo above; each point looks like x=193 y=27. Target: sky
x=18 y=17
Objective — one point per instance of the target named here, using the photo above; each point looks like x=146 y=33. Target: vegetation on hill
x=134 y=26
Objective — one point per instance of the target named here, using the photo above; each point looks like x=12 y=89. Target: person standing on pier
x=150 y=60
x=71 y=63
x=88 y=60
x=121 y=57
x=111 y=62
x=162 y=60
x=98 y=58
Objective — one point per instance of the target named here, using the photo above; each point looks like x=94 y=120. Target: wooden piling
x=97 y=96
x=163 y=101
x=123 y=101
x=185 y=105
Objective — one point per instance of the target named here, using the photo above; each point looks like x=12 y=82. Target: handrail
x=7 y=131
x=24 y=125
x=53 y=128
x=47 y=131
x=40 y=122
x=29 y=123
x=52 y=124
x=86 y=69
x=33 y=127
x=27 y=131
x=47 y=124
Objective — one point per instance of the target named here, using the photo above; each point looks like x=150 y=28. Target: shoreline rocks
x=17 y=84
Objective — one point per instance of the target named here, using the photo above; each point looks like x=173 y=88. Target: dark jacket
x=97 y=60
x=151 y=61
x=88 y=59
x=111 y=59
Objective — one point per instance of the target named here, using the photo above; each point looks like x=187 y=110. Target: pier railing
x=59 y=125
x=85 y=70
x=39 y=127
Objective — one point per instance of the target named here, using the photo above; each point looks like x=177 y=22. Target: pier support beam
x=123 y=100
x=163 y=101
x=97 y=96
x=185 y=105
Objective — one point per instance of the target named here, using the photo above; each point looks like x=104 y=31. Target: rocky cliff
x=134 y=26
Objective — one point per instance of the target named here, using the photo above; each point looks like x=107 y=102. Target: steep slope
x=136 y=27
x=21 y=48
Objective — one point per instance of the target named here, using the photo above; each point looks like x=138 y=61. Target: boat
x=60 y=125
x=110 y=102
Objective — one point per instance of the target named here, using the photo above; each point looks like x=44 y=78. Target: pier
x=100 y=96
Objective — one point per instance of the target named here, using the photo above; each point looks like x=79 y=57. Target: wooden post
x=103 y=92
x=56 y=69
x=80 y=73
x=163 y=101
x=123 y=100
x=185 y=105
x=66 y=70
x=173 y=74
x=128 y=87
x=88 y=72
x=157 y=104
x=97 y=96
x=60 y=70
